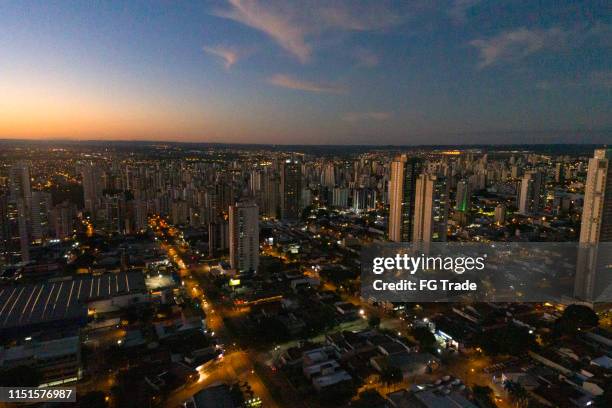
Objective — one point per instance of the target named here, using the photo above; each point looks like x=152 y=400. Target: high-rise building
x=271 y=194
x=19 y=183
x=306 y=198
x=62 y=219
x=21 y=196
x=463 y=200
x=500 y=214
x=430 y=209
x=340 y=197
x=92 y=187
x=179 y=211
x=218 y=236
x=532 y=193
x=5 y=228
x=559 y=173
x=360 y=200
x=593 y=269
x=404 y=173
x=290 y=190
x=141 y=214
x=596 y=223
x=40 y=213
x=24 y=236
x=478 y=181
x=115 y=214
x=244 y=236
x=255 y=182
x=328 y=175
x=224 y=190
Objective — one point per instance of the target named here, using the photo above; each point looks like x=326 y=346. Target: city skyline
x=239 y=71
x=169 y=274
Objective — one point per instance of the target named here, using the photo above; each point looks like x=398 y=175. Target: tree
x=391 y=375
x=130 y=391
x=425 y=338
x=374 y=322
x=269 y=330
x=369 y=399
x=483 y=395
x=318 y=319
x=93 y=399
x=517 y=393
x=337 y=395
x=20 y=376
x=575 y=318
x=512 y=339
x=306 y=213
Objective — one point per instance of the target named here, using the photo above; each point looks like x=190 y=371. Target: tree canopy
x=575 y=318
x=512 y=339
x=425 y=338
x=20 y=376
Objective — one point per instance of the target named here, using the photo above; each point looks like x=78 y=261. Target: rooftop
x=40 y=350
x=64 y=299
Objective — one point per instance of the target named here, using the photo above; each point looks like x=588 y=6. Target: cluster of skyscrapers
x=30 y=216
x=226 y=195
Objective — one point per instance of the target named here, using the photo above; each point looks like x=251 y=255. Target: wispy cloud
x=290 y=82
x=459 y=9
x=275 y=22
x=515 y=45
x=294 y=26
x=365 y=57
x=367 y=116
x=229 y=55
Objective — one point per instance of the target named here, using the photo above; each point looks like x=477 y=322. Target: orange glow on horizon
x=51 y=108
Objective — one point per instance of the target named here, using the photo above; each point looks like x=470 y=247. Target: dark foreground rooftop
x=62 y=300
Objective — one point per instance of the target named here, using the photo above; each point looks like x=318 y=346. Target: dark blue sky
x=402 y=72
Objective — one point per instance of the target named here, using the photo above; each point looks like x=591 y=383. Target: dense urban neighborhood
x=168 y=274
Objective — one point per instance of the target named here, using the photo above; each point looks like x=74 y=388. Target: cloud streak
x=515 y=45
x=277 y=23
x=228 y=55
x=290 y=82
x=295 y=26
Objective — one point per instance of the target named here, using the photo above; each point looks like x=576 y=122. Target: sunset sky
x=302 y=72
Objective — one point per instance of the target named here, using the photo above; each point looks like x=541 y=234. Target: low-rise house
x=186 y=322
x=219 y=395
x=318 y=355
x=347 y=342
x=292 y=324
x=346 y=309
x=410 y=364
x=444 y=397
x=171 y=376
x=319 y=369
x=326 y=381
x=603 y=362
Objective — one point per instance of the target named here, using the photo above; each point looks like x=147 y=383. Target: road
x=237 y=364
